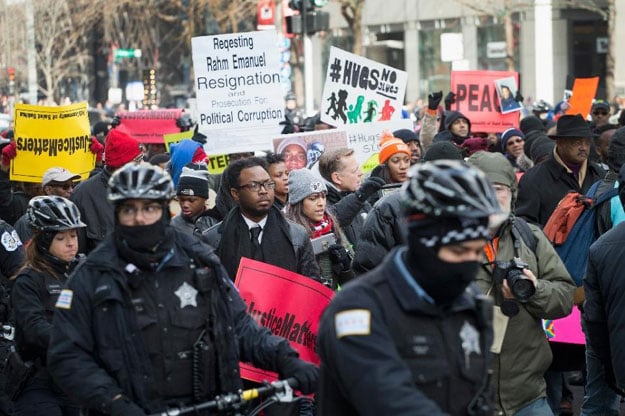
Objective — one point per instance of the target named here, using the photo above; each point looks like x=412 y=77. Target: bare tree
x=351 y=10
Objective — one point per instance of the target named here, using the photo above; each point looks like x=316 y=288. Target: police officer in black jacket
x=412 y=336
x=150 y=320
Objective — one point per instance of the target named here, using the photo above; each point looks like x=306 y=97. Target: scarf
x=322 y=227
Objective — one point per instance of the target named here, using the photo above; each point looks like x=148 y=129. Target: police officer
x=150 y=320
x=411 y=337
x=11 y=252
x=50 y=257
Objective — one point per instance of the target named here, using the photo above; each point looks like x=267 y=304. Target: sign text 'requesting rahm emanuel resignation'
x=237 y=80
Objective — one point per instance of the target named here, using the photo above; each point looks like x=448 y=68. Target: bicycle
x=280 y=391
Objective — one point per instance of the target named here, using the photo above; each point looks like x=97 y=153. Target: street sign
x=127 y=53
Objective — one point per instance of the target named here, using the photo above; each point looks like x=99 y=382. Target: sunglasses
x=515 y=141
x=600 y=113
x=63 y=186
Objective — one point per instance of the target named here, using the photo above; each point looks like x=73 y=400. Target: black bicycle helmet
x=448 y=188
x=53 y=213
x=140 y=182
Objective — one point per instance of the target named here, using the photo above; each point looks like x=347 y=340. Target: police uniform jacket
x=386 y=350
x=11 y=252
x=111 y=337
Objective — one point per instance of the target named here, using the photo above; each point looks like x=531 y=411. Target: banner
x=237 y=81
x=359 y=90
x=567 y=330
x=287 y=303
x=149 y=126
x=584 y=90
x=478 y=100
x=47 y=137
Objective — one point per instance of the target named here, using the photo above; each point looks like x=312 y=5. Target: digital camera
x=522 y=288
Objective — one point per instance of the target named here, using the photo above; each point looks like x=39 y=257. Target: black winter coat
x=349 y=211
x=97 y=349
x=544 y=185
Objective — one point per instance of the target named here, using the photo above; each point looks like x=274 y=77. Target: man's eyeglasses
x=149 y=211
x=255 y=186
x=501 y=189
x=600 y=113
x=63 y=186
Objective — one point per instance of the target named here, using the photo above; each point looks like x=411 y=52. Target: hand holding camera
x=518 y=284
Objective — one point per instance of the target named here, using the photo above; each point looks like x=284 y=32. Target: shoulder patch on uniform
x=10 y=241
x=65 y=299
x=352 y=322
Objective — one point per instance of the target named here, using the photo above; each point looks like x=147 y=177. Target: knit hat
x=497 y=169
x=120 y=149
x=302 y=183
x=511 y=132
x=442 y=150
x=389 y=145
x=475 y=144
x=531 y=123
x=193 y=181
x=616 y=150
x=406 y=135
x=541 y=148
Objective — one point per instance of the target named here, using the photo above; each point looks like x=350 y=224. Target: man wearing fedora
x=540 y=189
x=567 y=169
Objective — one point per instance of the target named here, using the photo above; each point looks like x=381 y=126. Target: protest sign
x=237 y=80
x=364 y=138
x=584 y=90
x=359 y=90
x=301 y=150
x=47 y=137
x=173 y=138
x=477 y=99
x=287 y=303
x=240 y=139
x=149 y=126
x=567 y=330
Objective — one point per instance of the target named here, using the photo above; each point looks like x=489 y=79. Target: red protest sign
x=149 y=126
x=287 y=303
x=477 y=99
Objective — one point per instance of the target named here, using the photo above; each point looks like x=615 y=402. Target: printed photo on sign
x=304 y=150
x=507 y=90
x=359 y=90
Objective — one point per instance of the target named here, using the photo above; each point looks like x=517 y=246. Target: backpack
x=571 y=228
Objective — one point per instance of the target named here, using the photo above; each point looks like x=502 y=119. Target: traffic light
x=11 y=73
x=316 y=21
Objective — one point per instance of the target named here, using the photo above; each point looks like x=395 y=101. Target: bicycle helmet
x=53 y=213
x=448 y=189
x=140 y=182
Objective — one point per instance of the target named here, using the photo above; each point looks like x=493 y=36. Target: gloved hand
x=450 y=99
x=306 y=374
x=370 y=186
x=434 y=99
x=8 y=153
x=97 y=149
x=124 y=407
x=518 y=97
x=340 y=258
x=198 y=137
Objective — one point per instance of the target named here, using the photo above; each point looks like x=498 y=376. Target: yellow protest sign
x=46 y=137
x=173 y=138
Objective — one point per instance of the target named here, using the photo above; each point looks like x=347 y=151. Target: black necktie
x=256 y=251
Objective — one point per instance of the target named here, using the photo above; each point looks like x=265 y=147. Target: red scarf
x=322 y=227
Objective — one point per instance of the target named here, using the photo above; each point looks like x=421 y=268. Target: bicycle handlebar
x=231 y=401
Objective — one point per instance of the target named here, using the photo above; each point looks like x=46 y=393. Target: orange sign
x=584 y=90
x=287 y=303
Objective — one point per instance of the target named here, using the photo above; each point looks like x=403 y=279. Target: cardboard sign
x=584 y=90
x=237 y=80
x=287 y=303
x=359 y=90
x=477 y=99
x=567 y=330
x=48 y=137
x=149 y=126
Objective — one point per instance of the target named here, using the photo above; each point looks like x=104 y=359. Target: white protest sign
x=364 y=138
x=240 y=140
x=359 y=90
x=237 y=81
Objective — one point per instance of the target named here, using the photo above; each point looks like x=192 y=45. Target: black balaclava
x=145 y=245
x=43 y=240
x=443 y=281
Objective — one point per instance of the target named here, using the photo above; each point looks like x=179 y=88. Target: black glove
x=370 y=186
x=518 y=97
x=198 y=137
x=306 y=374
x=450 y=99
x=340 y=258
x=124 y=407
x=116 y=122
x=434 y=99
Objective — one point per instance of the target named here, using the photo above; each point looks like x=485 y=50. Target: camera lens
x=522 y=288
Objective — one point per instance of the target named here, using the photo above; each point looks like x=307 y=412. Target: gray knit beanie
x=302 y=183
